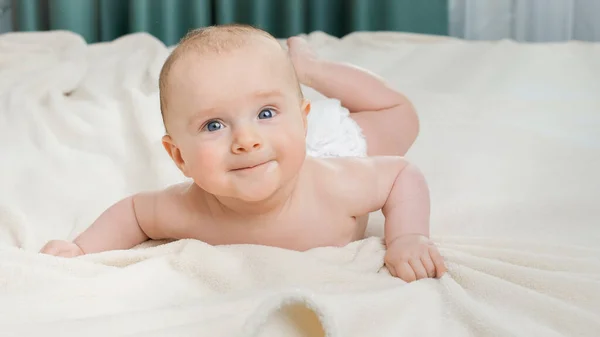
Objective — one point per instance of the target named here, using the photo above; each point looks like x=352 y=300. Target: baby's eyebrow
x=201 y=114
x=268 y=93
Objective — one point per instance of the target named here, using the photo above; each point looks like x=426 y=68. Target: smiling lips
x=247 y=168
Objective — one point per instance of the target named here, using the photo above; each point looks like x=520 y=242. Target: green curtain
x=169 y=20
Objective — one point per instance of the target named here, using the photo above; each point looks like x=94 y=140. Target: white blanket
x=509 y=143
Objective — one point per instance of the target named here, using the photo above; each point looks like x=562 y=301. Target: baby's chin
x=257 y=190
x=250 y=189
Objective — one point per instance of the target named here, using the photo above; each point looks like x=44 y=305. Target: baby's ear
x=174 y=153
x=305 y=111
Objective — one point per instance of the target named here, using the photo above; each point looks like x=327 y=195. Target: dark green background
x=169 y=20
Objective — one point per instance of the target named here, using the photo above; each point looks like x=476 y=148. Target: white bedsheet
x=510 y=144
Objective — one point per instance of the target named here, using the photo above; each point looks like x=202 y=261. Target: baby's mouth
x=249 y=167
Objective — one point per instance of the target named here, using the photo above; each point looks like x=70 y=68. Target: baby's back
x=312 y=216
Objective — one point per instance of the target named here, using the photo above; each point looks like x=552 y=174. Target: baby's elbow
x=406 y=121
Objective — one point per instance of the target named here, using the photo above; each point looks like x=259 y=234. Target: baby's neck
x=272 y=205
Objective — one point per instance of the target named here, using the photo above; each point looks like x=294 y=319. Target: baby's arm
x=386 y=117
x=123 y=225
x=399 y=190
x=116 y=228
x=389 y=184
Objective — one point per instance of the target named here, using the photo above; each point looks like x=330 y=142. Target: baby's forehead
x=221 y=42
x=255 y=51
x=244 y=58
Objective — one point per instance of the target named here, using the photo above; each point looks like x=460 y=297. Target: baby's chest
x=296 y=230
x=311 y=231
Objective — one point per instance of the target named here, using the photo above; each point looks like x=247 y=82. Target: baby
x=236 y=122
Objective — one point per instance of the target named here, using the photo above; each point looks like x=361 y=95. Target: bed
x=509 y=142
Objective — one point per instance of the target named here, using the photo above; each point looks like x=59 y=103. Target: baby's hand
x=62 y=248
x=302 y=57
x=414 y=257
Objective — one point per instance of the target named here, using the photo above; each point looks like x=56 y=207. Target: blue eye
x=266 y=113
x=213 y=126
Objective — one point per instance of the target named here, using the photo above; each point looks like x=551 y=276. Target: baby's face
x=238 y=121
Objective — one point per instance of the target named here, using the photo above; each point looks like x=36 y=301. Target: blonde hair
x=216 y=39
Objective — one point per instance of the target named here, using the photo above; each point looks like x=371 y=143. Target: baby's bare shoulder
x=167 y=213
x=361 y=183
x=351 y=169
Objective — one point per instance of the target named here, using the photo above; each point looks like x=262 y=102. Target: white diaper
x=331 y=131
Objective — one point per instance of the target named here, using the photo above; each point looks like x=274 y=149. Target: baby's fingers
x=51 y=248
x=418 y=268
x=405 y=272
x=438 y=261
x=428 y=264
x=70 y=253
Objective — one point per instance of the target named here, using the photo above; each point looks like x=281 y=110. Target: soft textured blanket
x=509 y=142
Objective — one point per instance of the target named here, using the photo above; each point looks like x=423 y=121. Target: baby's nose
x=246 y=140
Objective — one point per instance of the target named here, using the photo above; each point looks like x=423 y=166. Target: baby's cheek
x=292 y=147
x=210 y=171
x=208 y=158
